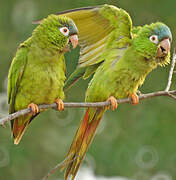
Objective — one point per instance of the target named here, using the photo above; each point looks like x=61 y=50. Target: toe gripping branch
x=113 y=102
x=60 y=104
x=134 y=99
x=34 y=108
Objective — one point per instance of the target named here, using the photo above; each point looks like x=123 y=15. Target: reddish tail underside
x=18 y=130
x=82 y=140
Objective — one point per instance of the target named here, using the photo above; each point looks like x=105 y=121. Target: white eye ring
x=154 y=39
x=64 y=31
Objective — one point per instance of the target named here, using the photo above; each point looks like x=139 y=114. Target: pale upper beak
x=74 y=40
x=164 y=48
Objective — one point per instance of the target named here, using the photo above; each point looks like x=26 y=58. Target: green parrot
x=121 y=57
x=37 y=72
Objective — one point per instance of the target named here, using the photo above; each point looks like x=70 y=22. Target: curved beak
x=164 y=48
x=74 y=40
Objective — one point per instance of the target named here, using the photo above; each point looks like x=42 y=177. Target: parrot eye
x=64 y=31
x=154 y=39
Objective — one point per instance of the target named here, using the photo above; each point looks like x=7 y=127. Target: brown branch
x=171 y=71
x=100 y=104
x=172 y=96
x=84 y=105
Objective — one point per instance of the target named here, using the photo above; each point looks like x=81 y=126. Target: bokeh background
x=134 y=142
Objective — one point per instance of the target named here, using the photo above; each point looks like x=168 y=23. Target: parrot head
x=154 y=42
x=59 y=31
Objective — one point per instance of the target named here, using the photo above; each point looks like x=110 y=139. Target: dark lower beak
x=164 y=48
x=74 y=40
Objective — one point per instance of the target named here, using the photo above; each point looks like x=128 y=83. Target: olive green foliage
x=134 y=141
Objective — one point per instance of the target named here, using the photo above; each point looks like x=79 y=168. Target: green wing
x=95 y=25
x=15 y=75
x=98 y=27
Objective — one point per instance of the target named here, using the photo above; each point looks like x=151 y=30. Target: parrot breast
x=42 y=81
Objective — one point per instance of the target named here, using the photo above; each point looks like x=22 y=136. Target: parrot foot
x=34 y=108
x=60 y=104
x=113 y=102
x=134 y=99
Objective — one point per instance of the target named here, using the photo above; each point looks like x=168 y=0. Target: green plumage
x=37 y=72
x=120 y=56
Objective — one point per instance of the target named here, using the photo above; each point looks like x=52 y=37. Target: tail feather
x=19 y=126
x=18 y=131
x=82 y=140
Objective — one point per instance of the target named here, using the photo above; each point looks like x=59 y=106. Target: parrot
x=120 y=56
x=37 y=71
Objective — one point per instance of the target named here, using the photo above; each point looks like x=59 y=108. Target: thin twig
x=84 y=105
x=172 y=96
x=171 y=71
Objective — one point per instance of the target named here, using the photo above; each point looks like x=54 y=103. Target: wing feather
x=96 y=25
x=15 y=75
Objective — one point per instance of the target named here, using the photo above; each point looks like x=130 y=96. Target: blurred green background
x=135 y=142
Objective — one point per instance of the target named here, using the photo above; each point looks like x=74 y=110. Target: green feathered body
x=43 y=78
x=120 y=57
x=37 y=72
x=119 y=77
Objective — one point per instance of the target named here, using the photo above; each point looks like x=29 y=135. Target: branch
x=100 y=104
x=171 y=71
x=85 y=105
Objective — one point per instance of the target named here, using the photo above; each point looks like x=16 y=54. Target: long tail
x=82 y=140
x=19 y=126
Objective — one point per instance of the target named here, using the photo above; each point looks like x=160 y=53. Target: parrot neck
x=41 y=49
x=41 y=45
x=138 y=63
x=43 y=41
